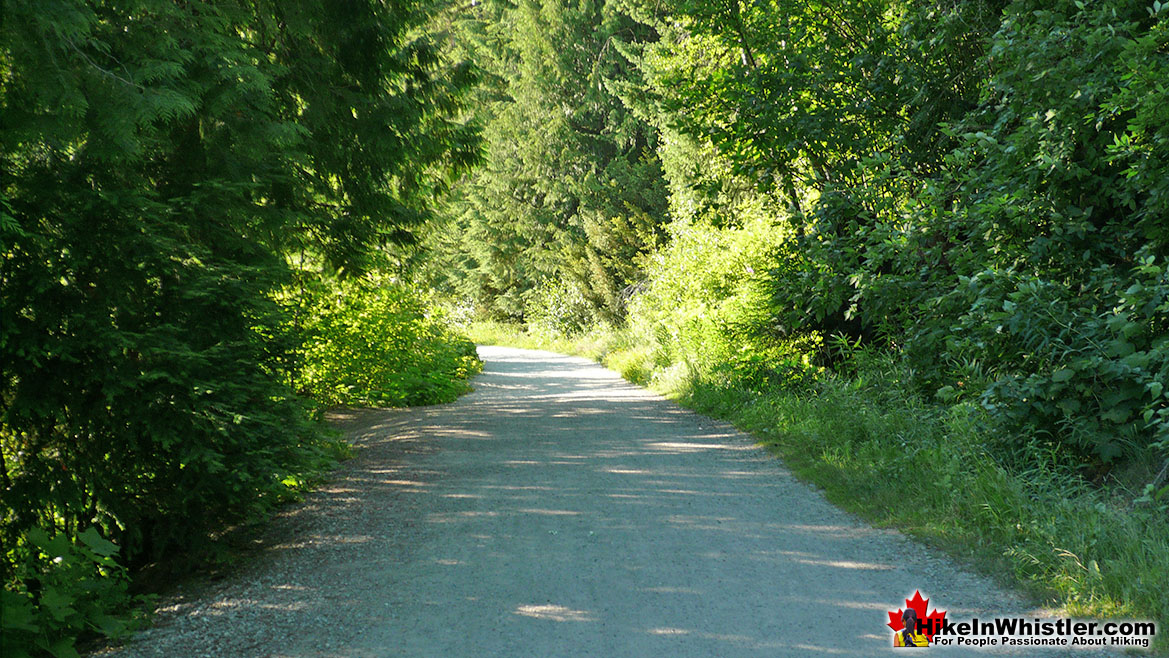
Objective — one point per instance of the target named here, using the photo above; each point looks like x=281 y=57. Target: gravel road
x=559 y=511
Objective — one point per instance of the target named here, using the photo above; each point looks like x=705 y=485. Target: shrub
x=67 y=587
x=556 y=307
x=710 y=304
x=375 y=344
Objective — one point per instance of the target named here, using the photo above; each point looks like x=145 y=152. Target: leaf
x=1155 y=389
x=97 y=543
x=63 y=648
x=108 y=625
x=57 y=603
x=16 y=612
x=1120 y=348
x=1117 y=414
x=39 y=538
x=1063 y=375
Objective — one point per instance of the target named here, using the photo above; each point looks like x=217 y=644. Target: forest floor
x=558 y=510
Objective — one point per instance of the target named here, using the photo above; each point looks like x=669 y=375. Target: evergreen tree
x=160 y=165
x=571 y=191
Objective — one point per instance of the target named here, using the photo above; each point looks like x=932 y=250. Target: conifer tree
x=160 y=164
x=571 y=191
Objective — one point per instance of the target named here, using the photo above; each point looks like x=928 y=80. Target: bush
x=67 y=588
x=557 y=308
x=375 y=344
x=1084 y=370
x=709 y=303
x=1050 y=235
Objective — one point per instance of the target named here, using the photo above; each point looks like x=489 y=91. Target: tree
x=160 y=164
x=571 y=189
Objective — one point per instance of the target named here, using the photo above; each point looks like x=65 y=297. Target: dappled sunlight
x=697 y=447
x=554 y=613
x=839 y=531
x=589 y=396
x=497 y=511
x=455 y=517
x=610 y=454
x=461 y=433
x=742 y=474
x=347 y=539
x=577 y=373
x=486 y=388
x=694 y=492
x=578 y=413
x=668 y=631
x=704 y=522
x=845 y=564
x=512 y=487
x=229 y=606
x=627 y=497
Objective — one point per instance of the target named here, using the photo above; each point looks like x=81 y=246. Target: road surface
x=559 y=511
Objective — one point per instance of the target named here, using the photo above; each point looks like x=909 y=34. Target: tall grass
x=928 y=469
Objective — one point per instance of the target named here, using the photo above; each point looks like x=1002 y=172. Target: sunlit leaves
x=374 y=344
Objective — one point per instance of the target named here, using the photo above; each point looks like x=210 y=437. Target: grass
x=931 y=471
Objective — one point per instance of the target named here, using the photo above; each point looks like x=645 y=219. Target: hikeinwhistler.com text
x=1022 y=632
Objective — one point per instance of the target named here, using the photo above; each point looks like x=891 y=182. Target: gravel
x=559 y=511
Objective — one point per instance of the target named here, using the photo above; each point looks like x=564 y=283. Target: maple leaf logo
x=930 y=623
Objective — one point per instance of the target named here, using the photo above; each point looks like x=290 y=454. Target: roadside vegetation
x=935 y=471
x=917 y=248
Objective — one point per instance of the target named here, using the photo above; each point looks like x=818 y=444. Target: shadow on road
x=559 y=511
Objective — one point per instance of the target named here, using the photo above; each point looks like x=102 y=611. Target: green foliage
x=708 y=305
x=1054 y=251
x=158 y=163
x=872 y=443
x=1090 y=379
x=66 y=587
x=556 y=308
x=375 y=344
x=967 y=202
x=571 y=189
x=966 y=184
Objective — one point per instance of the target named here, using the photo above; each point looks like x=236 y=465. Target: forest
x=919 y=247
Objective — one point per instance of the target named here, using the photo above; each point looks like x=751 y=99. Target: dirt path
x=559 y=511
